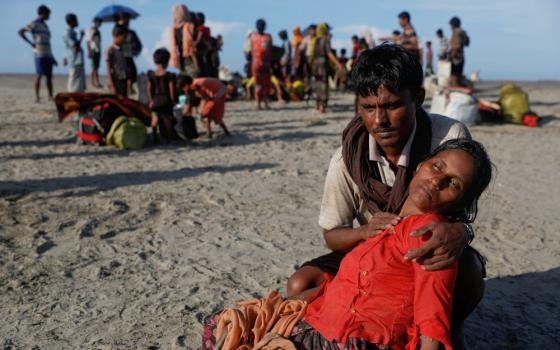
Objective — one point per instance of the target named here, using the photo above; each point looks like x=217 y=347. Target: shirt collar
x=375 y=155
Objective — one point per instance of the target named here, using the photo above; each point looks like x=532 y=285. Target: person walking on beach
x=286 y=59
x=368 y=176
x=41 y=45
x=116 y=64
x=74 y=56
x=183 y=44
x=213 y=94
x=261 y=46
x=319 y=55
x=459 y=40
x=429 y=58
x=409 y=39
x=443 y=51
x=94 y=51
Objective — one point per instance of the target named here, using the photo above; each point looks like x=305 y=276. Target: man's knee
x=469 y=288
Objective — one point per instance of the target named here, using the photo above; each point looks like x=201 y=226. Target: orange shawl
x=260 y=323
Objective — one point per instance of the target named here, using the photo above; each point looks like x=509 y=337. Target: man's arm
x=444 y=247
x=21 y=33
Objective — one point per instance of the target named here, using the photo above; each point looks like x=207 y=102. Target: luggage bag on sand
x=514 y=103
x=94 y=123
x=185 y=126
x=127 y=133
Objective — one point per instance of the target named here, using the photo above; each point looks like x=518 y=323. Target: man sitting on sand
x=368 y=176
x=41 y=44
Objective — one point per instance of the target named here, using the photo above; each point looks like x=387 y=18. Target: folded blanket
x=263 y=324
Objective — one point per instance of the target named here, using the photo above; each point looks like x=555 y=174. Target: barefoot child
x=116 y=64
x=213 y=95
x=161 y=92
x=380 y=299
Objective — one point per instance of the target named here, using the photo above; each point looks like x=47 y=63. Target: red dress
x=261 y=45
x=379 y=296
x=213 y=94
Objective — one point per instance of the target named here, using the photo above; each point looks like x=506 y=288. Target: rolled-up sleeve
x=339 y=205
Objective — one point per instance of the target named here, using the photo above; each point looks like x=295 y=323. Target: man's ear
x=419 y=98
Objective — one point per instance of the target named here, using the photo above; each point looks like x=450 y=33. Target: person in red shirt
x=379 y=299
x=213 y=93
x=261 y=46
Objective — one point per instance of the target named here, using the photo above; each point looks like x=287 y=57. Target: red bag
x=531 y=120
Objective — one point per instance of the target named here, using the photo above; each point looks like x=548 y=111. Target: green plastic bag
x=127 y=133
x=514 y=102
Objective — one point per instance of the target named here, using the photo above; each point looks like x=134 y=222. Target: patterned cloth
x=77 y=79
x=41 y=38
x=319 y=69
x=116 y=63
x=306 y=337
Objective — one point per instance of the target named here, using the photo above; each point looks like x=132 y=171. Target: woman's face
x=442 y=181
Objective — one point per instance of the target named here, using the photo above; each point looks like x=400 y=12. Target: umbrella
x=108 y=13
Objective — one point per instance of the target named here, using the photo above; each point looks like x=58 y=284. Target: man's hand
x=442 y=249
x=379 y=221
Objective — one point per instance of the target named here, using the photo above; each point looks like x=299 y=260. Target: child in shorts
x=161 y=92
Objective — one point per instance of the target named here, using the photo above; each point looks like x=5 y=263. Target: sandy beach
x=109 y=249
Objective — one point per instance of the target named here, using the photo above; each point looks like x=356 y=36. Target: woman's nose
x=438 y=182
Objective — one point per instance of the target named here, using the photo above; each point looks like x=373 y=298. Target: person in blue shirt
x=41 y=45
x=75 y=55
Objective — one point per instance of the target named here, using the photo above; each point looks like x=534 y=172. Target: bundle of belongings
x=258 y=324
x=106 y=119
x=458 y=103
x=512 y=107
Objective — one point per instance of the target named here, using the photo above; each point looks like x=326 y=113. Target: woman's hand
x=379 y=222
x=442 y=249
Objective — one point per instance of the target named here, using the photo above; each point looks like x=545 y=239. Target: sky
x=509 y=39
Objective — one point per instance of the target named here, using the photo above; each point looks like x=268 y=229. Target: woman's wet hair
x=387 y=65
x=480 y=181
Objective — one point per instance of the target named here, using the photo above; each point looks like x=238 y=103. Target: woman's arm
x=346 y=238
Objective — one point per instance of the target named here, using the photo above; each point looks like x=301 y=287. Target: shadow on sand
x=517 y=312
x=90 y=184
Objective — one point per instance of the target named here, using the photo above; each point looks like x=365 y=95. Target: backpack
x=94 y=123
x=185 y=126
x=127 y=133
x=91 y=126
x=466 y=39
x=136 y=44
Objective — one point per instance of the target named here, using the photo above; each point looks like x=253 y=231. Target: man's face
x=403 y=22
x=389 y=117
x=45 y=15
